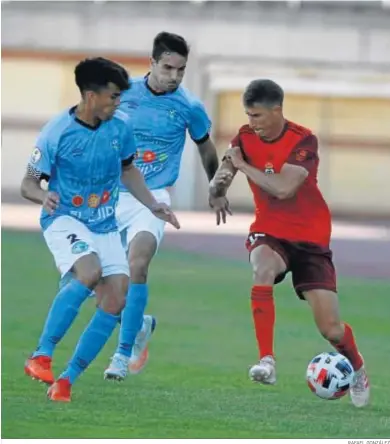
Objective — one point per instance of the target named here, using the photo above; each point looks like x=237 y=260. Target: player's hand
x=51 y=202
x=221 y=207
x=164 y=212
x=222 y=178
x=234 y=154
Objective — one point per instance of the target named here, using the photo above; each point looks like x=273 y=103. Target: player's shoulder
x=295 y=130
x=245 y=129
x=186 y=98
x=122 y=121
x=56 y=126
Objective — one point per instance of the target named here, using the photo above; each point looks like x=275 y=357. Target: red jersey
x=305 y=217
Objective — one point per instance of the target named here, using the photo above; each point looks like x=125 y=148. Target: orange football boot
x=60 y=391
x=40 y=368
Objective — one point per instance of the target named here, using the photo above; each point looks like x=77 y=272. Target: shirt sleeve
x=200 y=124
x=305 y=153
x=129 y=149
x=42 y=158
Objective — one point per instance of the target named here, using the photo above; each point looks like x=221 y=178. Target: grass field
x=196 y=385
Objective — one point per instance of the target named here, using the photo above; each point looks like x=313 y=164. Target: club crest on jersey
x=269 y=168
x=36 y=155
x=115 y=144
x=301 y=155
x=172 y=113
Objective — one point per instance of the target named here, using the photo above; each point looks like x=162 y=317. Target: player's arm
x=199 y=129
x=133 y=180
x=208 y=155
x=222 y=179
x=38 y=169
x=294 y=172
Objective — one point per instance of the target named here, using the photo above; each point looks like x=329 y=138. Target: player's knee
x=88 y=270
x=139 y=267
x=332 y=331
x=264 y=273
x=90 y=276
x=114 y=298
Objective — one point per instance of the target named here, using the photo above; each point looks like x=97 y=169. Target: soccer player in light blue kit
x=83 y=153
x=162 y=112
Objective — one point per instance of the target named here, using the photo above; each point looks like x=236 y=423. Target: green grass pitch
x=196 y=383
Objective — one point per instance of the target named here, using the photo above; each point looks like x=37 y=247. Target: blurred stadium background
x=333 y=60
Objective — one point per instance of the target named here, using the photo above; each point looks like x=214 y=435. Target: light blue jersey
x=160 y=122
x=84 y=166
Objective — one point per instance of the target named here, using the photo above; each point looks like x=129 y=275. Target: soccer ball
x=329 y=375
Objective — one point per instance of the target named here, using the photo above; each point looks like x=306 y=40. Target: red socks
x=347 y=347
x=263 y=311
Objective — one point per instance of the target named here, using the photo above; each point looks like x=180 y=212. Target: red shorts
x=311 y=265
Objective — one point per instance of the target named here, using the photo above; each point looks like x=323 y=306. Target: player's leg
x=141 y=233
x=269 y=264
x=141 y=251
x=103 y=323
x=71 y=245
x=314 y=279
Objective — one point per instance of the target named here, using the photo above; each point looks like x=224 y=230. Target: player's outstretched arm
x=208 y=155
x=134 y=181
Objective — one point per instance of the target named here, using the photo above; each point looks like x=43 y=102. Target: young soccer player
x=292 y=227
x=162 y=111
x=83 y=153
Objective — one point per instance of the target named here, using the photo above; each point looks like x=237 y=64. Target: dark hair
x=95 y=74
x=168 y=42
x=265 y=92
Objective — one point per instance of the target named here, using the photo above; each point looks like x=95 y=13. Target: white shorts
x=69 y=239
x=133 y=217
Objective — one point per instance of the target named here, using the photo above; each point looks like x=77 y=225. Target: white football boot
x=360 y=388
x=117 y=370
x=140 y=352
x=264 y=372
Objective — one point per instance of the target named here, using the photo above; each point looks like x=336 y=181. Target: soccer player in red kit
x=292 y=227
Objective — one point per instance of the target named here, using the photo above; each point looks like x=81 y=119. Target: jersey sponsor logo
x=100 y=180
x=79 y=247
x=301 y=155
x=269 y=168
x=77 y=201
x=151 y=163
x=105 y=197
x=93 y=201
x=101 y=213
x=149 y=156
x=36 y=155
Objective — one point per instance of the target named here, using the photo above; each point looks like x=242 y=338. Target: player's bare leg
x=266 y=265
x=325 y=307
x=135 y=332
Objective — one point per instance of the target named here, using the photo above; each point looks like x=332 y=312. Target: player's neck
x=152 y=84
x=86 y=115
x=275 y=132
